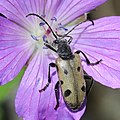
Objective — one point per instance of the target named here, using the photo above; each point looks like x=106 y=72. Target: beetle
x=73 y=81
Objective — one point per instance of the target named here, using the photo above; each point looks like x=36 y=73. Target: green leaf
x=5 y=89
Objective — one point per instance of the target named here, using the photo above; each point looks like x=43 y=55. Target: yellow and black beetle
x=72 y=80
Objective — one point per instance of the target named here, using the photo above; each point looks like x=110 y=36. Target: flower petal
x=16 y=11
x=69 y=10
x=33 y=105
x=64 y=10
x=30 y=104
x=67 y=115
x=101 y=41
x=15 y=50
x=51 y=7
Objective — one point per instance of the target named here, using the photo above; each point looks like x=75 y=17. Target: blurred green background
x=7 y=98
x=103 y=102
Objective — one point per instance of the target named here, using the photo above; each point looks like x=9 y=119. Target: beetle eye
x=56 y=41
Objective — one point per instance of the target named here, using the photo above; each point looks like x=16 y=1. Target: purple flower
x=22 y=43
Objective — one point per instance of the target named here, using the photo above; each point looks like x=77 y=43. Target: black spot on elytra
x=83 y=88
x=65 y=71
x=78 y=69
x=67 y=93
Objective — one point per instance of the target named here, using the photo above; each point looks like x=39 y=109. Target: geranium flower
x=22 y=43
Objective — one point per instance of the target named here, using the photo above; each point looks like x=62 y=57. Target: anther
x=44 y=39
x=34 y=37
x=62 y=27
x=41 y=24
x=54 y=18
x=44 y=47
x=43 y=16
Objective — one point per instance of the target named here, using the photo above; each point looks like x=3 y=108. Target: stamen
x=45 y=39
x=44 y=47
x=35 y=38
x=48 y=31
x=43 y=16
x=41 y=24
x=65 y=28
x=62 y=27
x=54 y=18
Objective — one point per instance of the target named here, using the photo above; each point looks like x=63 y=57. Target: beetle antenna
x=76 y=26
x=44 y=21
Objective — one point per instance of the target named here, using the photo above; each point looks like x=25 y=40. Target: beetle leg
x=57 y=94
x=49 y=79
x=89 y=83
x=87 y=60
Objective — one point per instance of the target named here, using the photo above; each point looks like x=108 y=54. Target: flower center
x=43 y=32
x=40 y=35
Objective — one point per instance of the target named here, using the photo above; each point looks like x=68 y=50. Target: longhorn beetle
x=72 y=80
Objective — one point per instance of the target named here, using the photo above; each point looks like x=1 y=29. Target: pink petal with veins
x=101 y=41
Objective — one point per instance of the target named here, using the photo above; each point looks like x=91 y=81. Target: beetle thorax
x=64 y=50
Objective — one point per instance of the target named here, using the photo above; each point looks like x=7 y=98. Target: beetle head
x=64 y=50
